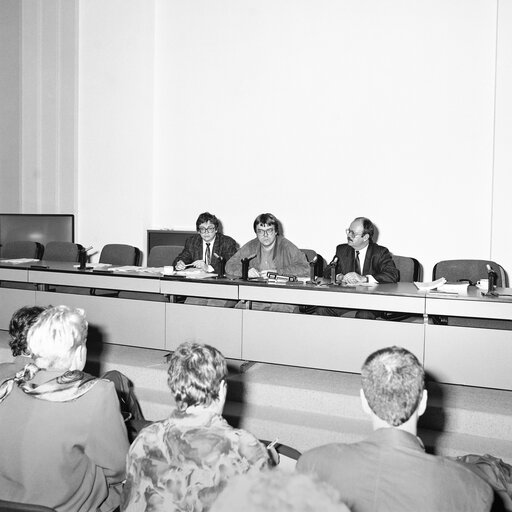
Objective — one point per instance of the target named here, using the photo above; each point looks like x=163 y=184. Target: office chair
x=410 y=268
x=472 y=271
x=11 y=506
x=62 y=251
x=410 y=271
x=163 y=255
x=120 y=255
x=310 y=256
x=468 y=270
x=22 y=249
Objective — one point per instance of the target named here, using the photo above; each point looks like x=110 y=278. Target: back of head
x=393 y=381
x=21 y=321
x=277 y=491
x=55 y=336
x=196 y=372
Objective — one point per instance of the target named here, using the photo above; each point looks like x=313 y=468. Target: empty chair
x=22 y=249
x=470 y=270
x=120 y=255
x=410 y=268
x=163 y=255
x=62 y=251
x=11 y=506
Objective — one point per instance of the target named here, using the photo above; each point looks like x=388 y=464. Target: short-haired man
x=361 y=260
x=269 y=252
x=390 y=470
x=205 y=249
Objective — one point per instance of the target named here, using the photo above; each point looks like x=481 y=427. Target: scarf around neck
x=64 y=388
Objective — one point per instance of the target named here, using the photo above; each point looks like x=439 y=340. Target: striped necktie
x=207 y=256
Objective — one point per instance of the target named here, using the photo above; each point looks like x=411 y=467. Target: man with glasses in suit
x=204 y=250
x=360 y=261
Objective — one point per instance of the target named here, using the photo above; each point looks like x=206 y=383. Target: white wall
x=323 y=111
x=115 y=127
x=501 y=247
x=10 y=28
x=317 y=111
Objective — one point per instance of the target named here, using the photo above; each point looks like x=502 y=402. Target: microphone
x=333 y=264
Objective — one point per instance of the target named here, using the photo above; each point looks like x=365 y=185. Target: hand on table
x=180 y=265
x=353 y=278
x=201 y=265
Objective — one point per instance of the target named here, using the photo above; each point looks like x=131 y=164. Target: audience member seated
x=62 y=436
x=184 y=461
x=21 y=321
x=277 y=491
x=391 y=468
x=269 y=252
x=360 y=260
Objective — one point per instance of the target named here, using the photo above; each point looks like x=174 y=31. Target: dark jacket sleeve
x=226 y=248
x=382 y=267
x=187 y=255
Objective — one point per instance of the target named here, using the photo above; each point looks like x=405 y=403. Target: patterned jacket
x=182 y=463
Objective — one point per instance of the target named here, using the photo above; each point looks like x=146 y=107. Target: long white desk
x=152 y=317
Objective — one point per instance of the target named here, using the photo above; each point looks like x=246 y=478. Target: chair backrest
x=23 y=249
x=456 y=270
x=162 y=255
x=120 y=254
x=62 y=251
x=410 y=268
x=11 y=506
x=310 y=256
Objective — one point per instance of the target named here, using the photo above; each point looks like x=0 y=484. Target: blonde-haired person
x=62 y=436
x=183 y=462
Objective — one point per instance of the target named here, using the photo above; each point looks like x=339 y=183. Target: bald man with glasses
x=360 y=261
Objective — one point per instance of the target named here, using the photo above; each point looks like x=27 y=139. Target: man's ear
x=423 y=403
x=366 y=408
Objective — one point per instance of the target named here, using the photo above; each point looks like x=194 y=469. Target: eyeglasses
x=265 y=232
x=351 y=233
x=209 y=229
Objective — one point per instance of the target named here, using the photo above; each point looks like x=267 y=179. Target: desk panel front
x=402 y=297
x=216 y=326
x=469 y=356
x=330 y=343
x=113 y=320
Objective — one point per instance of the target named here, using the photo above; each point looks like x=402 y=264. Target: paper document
x=431 y=285
x=19 y=260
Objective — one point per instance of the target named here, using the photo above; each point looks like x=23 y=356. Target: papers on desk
x=99 y=266
x=126 y=268
x=442 y=287
x=194 y=273
x=430 y=285
x=18 y=261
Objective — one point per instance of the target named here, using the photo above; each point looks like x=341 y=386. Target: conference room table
x=147 y=309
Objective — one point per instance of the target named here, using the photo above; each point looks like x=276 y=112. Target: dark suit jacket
x=224 y=246
x=378 y=263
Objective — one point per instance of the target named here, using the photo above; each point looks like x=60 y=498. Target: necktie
x=207 y=255
x=357 y=264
